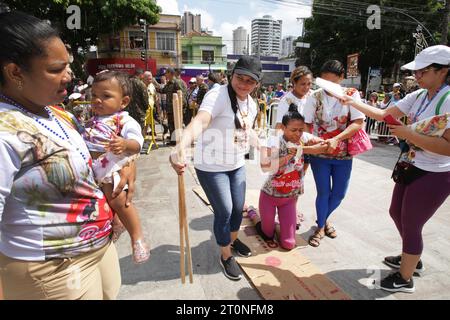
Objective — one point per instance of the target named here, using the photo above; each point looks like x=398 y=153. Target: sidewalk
x=366 y=234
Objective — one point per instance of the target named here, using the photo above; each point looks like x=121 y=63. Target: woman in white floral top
x=55 y=223
x=422 y=174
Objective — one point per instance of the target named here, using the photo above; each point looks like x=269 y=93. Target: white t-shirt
x=98 y=130
x=333 y=111
x=295 y=179
x=413 y=106
x=221 y=147
x=97 y=135
x=50 y=205
x=283 y=106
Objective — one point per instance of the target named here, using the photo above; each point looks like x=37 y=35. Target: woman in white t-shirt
x=302 y=79
x=334 y=123
x=223 y=124
x=422 y=174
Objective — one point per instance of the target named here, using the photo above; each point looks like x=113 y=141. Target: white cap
x=193 y=80
x=439 y=54
x=397 y=85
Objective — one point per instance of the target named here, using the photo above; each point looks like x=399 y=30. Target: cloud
x=225 y=30
x=257 y=9
x=169 y=6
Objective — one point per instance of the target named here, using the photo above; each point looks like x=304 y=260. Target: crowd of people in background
x=155 y=92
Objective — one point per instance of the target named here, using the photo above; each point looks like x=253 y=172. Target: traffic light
x=143 y=24
x=143 y=55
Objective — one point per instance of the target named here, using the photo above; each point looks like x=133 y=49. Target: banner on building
x=127 y=65
x=352 y=65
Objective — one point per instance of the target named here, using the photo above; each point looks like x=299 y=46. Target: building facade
x=266 y=36
x=287 y=46
x=164 y=43
x=240 y=42
x=202 y=53
x=191 y=23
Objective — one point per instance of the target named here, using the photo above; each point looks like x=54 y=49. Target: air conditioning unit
x=172 y=54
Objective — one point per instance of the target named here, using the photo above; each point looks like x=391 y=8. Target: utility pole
x=144 y=30
x=302 y=35
x=445 y=23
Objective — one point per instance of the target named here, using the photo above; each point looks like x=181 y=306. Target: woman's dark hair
x=122 y=78
x=23 y=37
x=234 y=105
x=299 y=73
x=334 y=67
x=292 y=114
x=214 y=77
x=440 y=67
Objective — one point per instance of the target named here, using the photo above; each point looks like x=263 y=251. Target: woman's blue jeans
x=226 y=193
x=332 y=177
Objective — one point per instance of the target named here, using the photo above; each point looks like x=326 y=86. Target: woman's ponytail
x=234 y=105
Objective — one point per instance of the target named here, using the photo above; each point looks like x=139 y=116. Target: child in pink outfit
x=283 y=157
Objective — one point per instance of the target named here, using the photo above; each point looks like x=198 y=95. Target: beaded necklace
x=244 y=114
x=52 y=117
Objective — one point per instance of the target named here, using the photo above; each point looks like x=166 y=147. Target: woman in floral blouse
x=335 y=123
x=55 y=223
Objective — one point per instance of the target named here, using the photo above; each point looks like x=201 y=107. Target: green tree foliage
x=97 y=17
x=338 y=28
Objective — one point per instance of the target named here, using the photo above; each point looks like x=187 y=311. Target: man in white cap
x=392 y=97
x=422 y=173
x=396 y=87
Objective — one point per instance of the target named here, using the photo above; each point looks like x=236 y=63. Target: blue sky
x=223 y=16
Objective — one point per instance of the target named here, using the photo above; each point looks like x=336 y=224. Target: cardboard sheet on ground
x=284 y=275
x=279 y=274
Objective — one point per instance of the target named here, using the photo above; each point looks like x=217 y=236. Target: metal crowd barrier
x=379 y=129
x=272 y=116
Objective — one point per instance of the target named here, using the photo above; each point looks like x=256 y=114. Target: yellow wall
x=166 y=23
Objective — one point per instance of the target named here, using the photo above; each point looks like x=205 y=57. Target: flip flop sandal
x=314 y=240
x=330 y=231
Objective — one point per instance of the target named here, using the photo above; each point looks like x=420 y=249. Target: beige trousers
x=90 y=276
